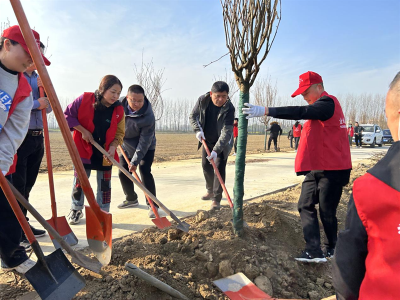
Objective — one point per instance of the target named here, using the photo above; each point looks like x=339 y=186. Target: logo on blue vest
x=5 y=101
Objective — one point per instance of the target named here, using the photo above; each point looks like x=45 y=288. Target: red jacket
x=297 y=130
x=23 y=91
x=324 y=145
x=350 y=131
x=235 y=131
x=85 y=118
x=378 y=206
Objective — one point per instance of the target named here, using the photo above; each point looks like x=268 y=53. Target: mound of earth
x=189 y=262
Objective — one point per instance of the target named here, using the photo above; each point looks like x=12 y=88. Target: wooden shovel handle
x=16 y=209
x=138 y=179
x=221 y=181
x=49 y=161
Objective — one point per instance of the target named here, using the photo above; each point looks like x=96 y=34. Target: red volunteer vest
x=324 y=145
x=85 y=118
x=378 y=206
x=23 y=91
x=297 y=131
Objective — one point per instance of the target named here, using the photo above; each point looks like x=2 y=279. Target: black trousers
x=358 y=138
x=11 y=252
x=30 y=155
x=325 y=189
x=275 y=139
x=145 y=174
x=296 y=142
x=213 y=185
x=291 y=142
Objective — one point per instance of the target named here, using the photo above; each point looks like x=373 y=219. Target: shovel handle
x=221 y=181
x=141 y=186
x=48 y=160
x=16 y=209
x=138 y=179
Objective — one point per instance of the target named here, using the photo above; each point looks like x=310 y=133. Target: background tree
x=152 y=81
x=265 y=95
x=250 y=29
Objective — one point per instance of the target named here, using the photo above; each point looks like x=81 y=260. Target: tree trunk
x=238 y=189
x=265 y=138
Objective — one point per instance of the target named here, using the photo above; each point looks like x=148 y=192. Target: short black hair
x=2 y=39
x=220 y=87
x=42 y=45
x=237 y=119
x=137 y=89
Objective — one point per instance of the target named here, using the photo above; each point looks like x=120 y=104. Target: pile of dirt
x=189 y=262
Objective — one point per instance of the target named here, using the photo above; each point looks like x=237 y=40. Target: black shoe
x=25 y=243
x=74 y=216
x=307 y=256
x=329 y=252
x=128 y=204
x=38 y=232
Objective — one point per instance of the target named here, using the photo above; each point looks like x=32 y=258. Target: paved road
x=179 y=186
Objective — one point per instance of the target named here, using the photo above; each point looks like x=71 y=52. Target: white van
x=372 y=135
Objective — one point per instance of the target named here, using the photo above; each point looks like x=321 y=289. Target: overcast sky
x=353 y=45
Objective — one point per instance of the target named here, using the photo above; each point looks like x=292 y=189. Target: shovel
x=239 y=287
x=53 y=276
x=60 y=224
x=98 y=222
x=159 y=222
x=78 y=258
x=183 y=226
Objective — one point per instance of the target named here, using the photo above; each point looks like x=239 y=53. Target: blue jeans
x=103 y=196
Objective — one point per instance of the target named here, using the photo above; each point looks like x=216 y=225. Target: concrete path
x=179 y=186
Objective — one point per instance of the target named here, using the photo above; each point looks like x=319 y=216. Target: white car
x=372 y=135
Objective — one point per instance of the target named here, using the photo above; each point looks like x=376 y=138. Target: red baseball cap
x=14 y=33
x=305 y=81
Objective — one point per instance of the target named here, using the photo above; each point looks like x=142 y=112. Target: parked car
x=372 y=135
x=387 y=137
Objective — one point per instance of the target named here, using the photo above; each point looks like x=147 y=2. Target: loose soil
x=189 y=262
x=170 y=147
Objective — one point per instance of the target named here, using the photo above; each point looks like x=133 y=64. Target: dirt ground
x=166 y=150
x=189 y=262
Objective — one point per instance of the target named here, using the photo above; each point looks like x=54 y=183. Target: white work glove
x=253 y=111
x=200 y=135
x=213 y=156
x=4 y=173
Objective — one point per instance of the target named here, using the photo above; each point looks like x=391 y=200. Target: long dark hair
x=106 y=83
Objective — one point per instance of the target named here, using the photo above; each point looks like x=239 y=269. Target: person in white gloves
x=323 y=157
x=215 y=114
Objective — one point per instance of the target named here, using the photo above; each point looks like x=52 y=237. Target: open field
x=170 y=147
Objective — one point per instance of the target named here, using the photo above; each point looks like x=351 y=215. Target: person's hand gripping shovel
x=98 y=222
x=221 y=181
x=159 y=222
x=53 y=276
x=60 y=224
x=181 y=224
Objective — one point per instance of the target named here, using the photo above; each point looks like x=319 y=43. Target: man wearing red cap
x=323 y=157
x=15 y=108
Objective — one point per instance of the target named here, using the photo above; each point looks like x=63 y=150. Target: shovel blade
x=69 y=281
x=161 y=222
x=183 y=226
x=99 y=235
x=64 y=230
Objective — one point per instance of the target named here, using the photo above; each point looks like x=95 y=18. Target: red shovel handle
x=218 y=174
x=138 y=179
x=49 y=162
x=16 y=209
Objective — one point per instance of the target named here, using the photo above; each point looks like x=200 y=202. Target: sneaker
x=25 y=243
x=306 y=256
x=215 y=205
x=207 y=196
x=74 y=216
x=152 y=215
x=22 y=268
x=127 y=204
x=329 y=252
x=38 y=232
